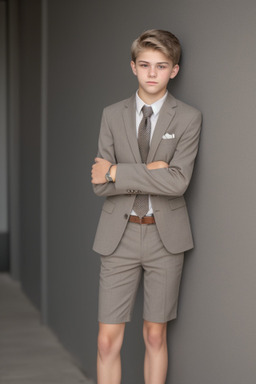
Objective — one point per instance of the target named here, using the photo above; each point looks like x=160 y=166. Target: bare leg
x=156 y=355
x=110 y=339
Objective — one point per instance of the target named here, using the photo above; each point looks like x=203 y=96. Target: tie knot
x=147 y=111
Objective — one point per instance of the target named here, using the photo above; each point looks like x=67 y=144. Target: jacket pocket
x=108 y=206
x=177 y=202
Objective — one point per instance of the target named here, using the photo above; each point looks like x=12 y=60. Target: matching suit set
x=128 y=249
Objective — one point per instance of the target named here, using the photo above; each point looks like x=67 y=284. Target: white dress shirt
x=156 y=107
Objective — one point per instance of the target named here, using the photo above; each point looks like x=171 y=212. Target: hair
x=163 y=41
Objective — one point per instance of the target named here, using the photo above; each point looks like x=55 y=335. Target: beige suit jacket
x=118 y=144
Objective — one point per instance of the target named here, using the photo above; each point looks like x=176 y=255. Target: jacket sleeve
x=171 y=181
x=106 y=151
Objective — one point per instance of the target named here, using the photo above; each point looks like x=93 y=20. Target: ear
x=175 y=71
x=133 y=66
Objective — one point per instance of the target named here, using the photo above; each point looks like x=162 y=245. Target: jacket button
x=126 y=216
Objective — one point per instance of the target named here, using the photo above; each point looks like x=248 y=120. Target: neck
x=150 y=99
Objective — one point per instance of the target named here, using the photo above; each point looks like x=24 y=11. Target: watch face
x=108 y=177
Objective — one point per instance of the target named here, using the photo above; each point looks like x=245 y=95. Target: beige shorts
x=140 y=251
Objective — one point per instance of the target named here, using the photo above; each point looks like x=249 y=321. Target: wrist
x=113 y=173
x=108 y=176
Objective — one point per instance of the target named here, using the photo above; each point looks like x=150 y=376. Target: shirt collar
x=155 y=106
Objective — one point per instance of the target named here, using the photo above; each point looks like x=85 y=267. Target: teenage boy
x=147 y=148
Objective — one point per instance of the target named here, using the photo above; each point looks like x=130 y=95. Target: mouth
x=151 y=82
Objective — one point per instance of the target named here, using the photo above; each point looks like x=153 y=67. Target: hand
x=99 y=170
x=157 y=165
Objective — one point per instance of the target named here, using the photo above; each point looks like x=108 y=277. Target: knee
x=107 y=346
x=155 y=337
x=154 y=340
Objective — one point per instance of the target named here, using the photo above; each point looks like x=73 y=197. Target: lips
x=151 y=82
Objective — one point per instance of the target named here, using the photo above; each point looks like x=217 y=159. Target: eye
x=144 y=65
x=161 y=66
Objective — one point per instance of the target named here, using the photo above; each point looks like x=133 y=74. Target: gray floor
x=29 y=352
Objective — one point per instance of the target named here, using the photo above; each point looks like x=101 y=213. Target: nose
x=152 y=71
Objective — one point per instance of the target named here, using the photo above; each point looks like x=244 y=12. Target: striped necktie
x=141 y=202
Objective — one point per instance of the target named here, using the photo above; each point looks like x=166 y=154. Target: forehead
x=153 y=56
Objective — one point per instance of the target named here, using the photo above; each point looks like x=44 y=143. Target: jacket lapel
x=166 y=115
x=129 y=116
x=164 y=120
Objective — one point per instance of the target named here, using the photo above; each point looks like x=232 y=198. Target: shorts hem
x=155 y=320
x=114 y=321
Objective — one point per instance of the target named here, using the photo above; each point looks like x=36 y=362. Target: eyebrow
x=147 y=62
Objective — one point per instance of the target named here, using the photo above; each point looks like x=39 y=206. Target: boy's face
x=153 y=70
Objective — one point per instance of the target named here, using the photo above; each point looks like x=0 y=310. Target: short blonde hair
x=163 y=41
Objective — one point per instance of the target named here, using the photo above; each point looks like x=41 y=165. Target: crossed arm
x=101 y=166
x=156 y=178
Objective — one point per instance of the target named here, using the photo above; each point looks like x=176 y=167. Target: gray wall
x=30 y=141
x=214 y=338
x=4 y=227
x=13 y=114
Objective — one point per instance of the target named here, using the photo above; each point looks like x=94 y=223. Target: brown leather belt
x=143 y=220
